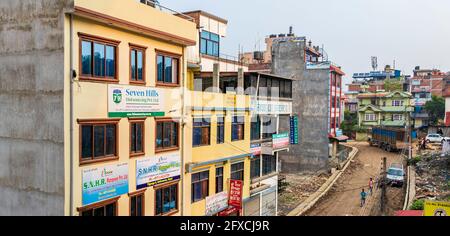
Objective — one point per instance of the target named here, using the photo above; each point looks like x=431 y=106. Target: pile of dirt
x=299 y=187
x=433 y=177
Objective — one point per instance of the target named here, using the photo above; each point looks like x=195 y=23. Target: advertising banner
x=293 y=130
x=432 y=208
x=280 y=140
x=103 y=183
x=216 y=203
x=255 y=149
x=157 y=170
x=134 y=101
x=235 y=195
x=271 y=107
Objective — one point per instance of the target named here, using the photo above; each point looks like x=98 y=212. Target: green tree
x=350 y=123
x=435 y=109
x=393 y=85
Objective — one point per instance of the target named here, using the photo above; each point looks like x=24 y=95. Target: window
x=98 y=140
x=209 y=43
x=220 y=129
x=106 y=208
x=200 y=186
x=237 y=171
x=333 y=99
x=397 y=103
x=137 y=204
x=255 y=131
x=137 y=64
x=201 y=132
x=255 y=167
x=288 y=89
x=166 y=135
x=219 y=179
x=166 y=200
x=137 y=138
x=167 y=70
x=228 y=84
x=269 y=164
x=370 y=117
x=275 y=88
x=98 y=58
x=237 y=128
x=269 y=126
x=397 y=117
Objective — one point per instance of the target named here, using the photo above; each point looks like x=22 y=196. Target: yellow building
x=124 y=152
x=217 y=127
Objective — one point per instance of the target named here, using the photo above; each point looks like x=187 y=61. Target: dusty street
x=343 y=199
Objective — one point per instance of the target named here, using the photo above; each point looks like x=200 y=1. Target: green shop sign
x=134 y=101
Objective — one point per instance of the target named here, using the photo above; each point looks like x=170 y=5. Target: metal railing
x=155 y=4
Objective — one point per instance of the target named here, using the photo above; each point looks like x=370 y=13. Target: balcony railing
x=155 y=4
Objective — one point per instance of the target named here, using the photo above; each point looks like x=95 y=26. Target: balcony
x=207 y=101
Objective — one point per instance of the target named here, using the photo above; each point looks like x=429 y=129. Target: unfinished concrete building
x=316 y=90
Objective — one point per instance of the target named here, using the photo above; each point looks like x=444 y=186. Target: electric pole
x=383 y=188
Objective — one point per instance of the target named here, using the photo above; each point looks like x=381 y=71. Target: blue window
x=201 y=132
x=200 y=186
x=98 y=58
x=237 y=128
x=137 y=57
x=86 y=58
x=167 y=69
x=209 y=43
x=220 y=130
x=166 y=200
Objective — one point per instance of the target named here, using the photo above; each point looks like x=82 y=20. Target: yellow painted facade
x=90 y=98
x=208 y=158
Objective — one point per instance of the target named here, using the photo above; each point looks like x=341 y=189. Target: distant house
x=390 y=109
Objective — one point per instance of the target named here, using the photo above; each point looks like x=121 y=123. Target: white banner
x=157 y=170
x=133 y=101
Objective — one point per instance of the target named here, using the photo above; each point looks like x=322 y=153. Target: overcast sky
x=411 y=32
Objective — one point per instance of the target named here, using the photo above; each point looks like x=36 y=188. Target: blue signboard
x=293 y=129
x=105 y=182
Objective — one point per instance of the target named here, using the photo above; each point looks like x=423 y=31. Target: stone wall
x=31 y=106
x=310 y=102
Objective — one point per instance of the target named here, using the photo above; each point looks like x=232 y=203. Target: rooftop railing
x=155 y=4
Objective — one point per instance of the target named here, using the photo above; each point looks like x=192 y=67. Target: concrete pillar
x=216 y=77
x=240 y=83
x=335 y=145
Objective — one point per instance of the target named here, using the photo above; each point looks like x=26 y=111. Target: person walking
x=363 y=197
x=370 y=186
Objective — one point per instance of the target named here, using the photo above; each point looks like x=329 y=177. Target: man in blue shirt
x=363 y=197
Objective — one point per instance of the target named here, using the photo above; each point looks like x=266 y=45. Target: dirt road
x=343 y=199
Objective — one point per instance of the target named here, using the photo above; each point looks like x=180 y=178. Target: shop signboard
x=235 y=194
x=102 y=183
x=216 y=203
x=271 y=107
x=339 y=132
x=134 y=101
x=255 y=149
x=158 y=169
x=432 y=208
x=293 y=129
x=280 y=140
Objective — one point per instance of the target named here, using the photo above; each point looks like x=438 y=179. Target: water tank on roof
x=258 y=56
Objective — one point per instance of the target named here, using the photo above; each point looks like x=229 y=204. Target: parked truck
x=389 y=139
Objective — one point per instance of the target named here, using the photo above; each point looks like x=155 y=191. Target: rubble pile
x=433 y=177
x=298 y=189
